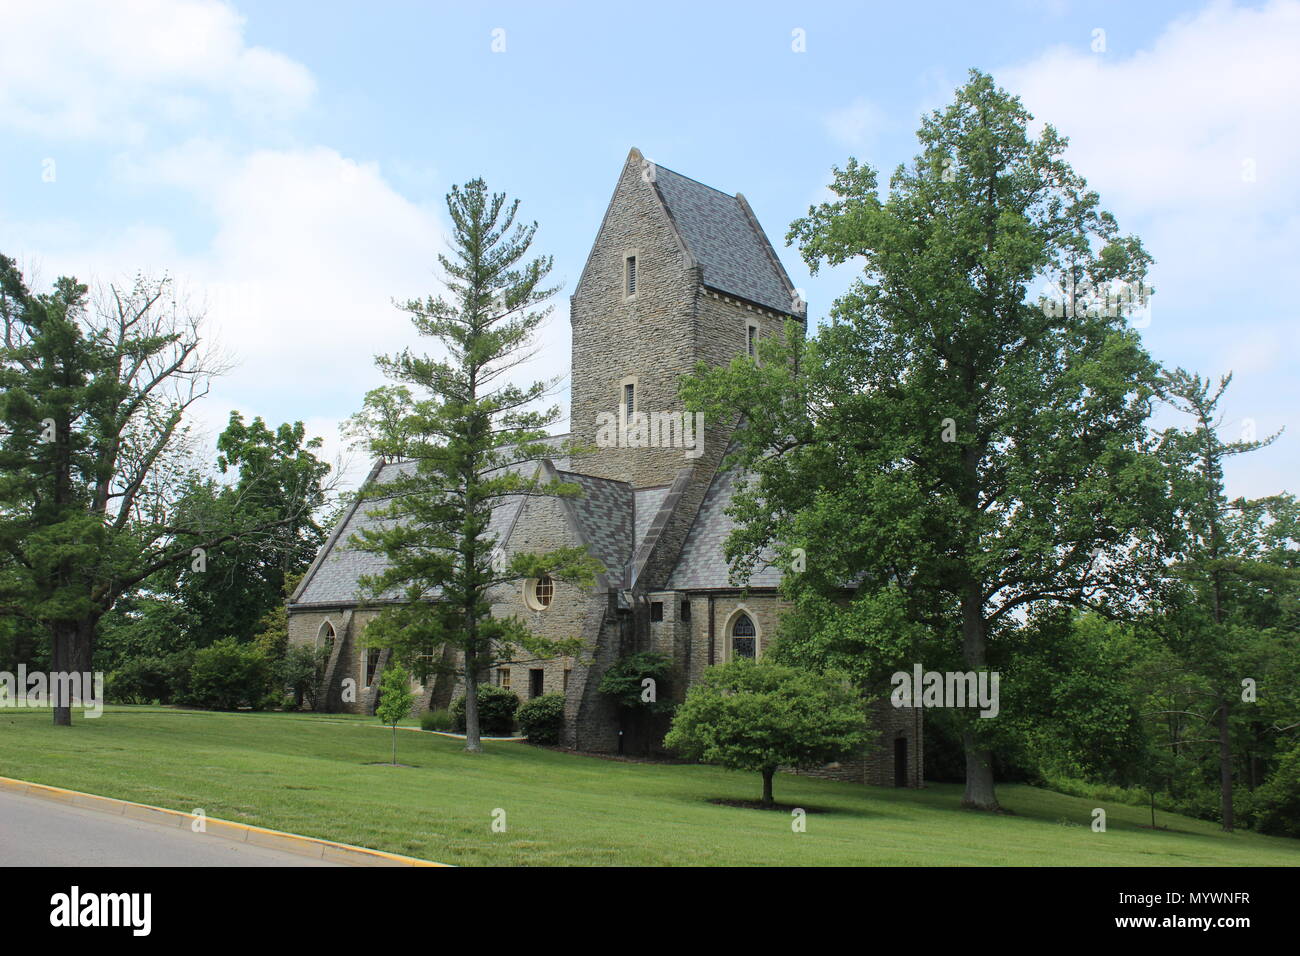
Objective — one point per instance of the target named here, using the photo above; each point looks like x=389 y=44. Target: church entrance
x=900 y=762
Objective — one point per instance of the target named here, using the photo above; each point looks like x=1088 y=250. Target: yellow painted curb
x=225 y=829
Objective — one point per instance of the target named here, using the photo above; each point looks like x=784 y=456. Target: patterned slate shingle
x=702 y=563
x=735 y=256
x=605 y=515
x=647 y=502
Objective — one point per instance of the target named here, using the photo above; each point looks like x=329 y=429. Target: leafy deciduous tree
x=950 y=449
x=758 y=716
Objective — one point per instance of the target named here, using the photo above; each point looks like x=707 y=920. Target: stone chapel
x=679 y=273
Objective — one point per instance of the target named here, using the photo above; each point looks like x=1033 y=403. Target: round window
x=539 y=592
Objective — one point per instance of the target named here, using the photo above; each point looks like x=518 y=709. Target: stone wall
x=647 y=338
x=345 y=689
x=688 y=643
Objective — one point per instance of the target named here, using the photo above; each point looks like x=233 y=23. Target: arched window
x=743 y=638
x=325 y=637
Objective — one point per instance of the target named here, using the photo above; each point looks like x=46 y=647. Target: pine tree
x=471 y=439
x=1224 y=574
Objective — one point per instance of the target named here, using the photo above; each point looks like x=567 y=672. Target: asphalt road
x=36 y=832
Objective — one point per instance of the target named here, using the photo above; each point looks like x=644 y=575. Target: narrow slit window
x=631 y=275
x=753 y=341
x=629 y=399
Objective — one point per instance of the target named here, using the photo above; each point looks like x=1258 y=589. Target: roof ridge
x=583 y=474
x=698 y=182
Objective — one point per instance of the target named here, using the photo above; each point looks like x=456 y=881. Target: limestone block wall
x=876 y=764
x=693 y=648
x=543 y=525
x=646 y=339
x=346 y=690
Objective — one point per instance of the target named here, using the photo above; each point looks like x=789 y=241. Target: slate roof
x=605 y=514
x=702 y=564
x=613 y=517
x=648 y=501
x=721 y=233
x=333 y=579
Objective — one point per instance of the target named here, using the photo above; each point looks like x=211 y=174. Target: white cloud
x=304 y=248
x=1214 y=93
x=1170 y=137
x=297 y=279
x=111 y=70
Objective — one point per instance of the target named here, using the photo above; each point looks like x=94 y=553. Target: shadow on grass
x=759 y=805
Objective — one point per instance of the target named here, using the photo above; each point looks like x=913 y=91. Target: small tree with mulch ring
x=756 y=716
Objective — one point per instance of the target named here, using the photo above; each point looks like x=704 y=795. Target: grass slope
x=313 y=775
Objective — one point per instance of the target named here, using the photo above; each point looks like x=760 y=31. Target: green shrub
x=496 y=711
x=541 y=718
x=759 y=716
x=300 y=672
x=625 y=681
x=437 y=720
x=229 y=675
x=1277 y=802
x=143 y=680
x=162 y=678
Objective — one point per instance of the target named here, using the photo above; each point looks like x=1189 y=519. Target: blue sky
x=286 y=162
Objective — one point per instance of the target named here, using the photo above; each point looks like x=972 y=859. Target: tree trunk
x=979 y=793
x=62 y=656
x=473 y=743
x=394 y=745
x=1225 y=765
x=768 y=774
x=71 y=651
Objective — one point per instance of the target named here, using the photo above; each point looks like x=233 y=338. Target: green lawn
x=311 y=774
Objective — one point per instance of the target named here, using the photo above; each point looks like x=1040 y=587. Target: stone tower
x=679 y=273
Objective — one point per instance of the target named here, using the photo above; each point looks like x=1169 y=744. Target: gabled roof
x=702 y=564
x=333 y=578
x=723 y=236
x=605 y=515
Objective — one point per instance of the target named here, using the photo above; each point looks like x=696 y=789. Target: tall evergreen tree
x=474 y=439
x=951 y=446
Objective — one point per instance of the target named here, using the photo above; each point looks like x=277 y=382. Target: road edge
x=305 y=846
